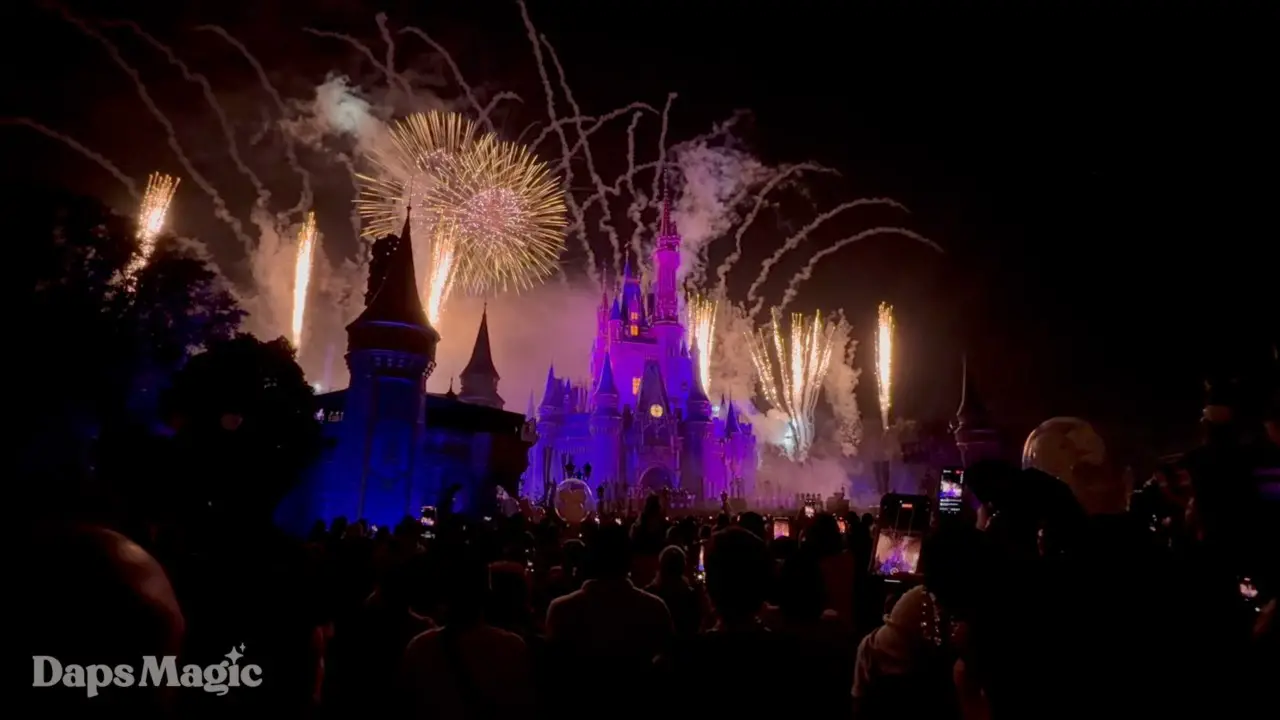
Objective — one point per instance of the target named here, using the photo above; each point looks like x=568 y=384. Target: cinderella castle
x=643 y=423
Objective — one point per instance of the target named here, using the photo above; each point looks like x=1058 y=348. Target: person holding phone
x=682 y=597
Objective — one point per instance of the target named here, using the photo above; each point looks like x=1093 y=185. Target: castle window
x=635 y=316
x=635 y=386
x=635 y=331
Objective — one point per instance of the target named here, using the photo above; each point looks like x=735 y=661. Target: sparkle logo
x=154 y=671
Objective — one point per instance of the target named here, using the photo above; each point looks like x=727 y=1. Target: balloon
x=574 y=501
x=1071 y=450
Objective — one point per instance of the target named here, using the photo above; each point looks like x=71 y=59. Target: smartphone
x=781 y=527
x=951 y=491
x=700 y=572
x=843 y=525
x=809 y=511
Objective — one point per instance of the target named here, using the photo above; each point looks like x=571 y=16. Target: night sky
x=1103 y=182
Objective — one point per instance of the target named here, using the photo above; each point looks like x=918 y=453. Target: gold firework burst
x=508 y=214
x=405 y=170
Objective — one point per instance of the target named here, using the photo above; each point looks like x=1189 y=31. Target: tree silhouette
x=92 y=350
x=245 y=426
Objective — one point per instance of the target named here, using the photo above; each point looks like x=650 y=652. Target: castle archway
x=656 y=478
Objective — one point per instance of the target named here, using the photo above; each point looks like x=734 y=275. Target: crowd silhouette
x=1027 y=608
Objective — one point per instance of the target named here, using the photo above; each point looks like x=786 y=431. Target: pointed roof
x=732 y=425
x=652 y=390
x=451 y=394
x=481 y=362
x=529 y=412
x=393 y=318
x=551 y=393
x=607 y=386
x=615 y=313
x=972 y=412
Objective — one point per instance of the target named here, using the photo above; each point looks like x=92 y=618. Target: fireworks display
x=492 y=216
x=419 y=149
x=151 y=215
x=701 y=323
x=302 y=275
x=440 y=273
x=423 y=148
x=507 y=212
x=791 y=363
x=884 y=361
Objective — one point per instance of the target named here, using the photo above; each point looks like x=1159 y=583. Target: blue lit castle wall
x=643 y=420
x=395 y=447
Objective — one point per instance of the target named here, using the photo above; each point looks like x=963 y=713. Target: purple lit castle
x=644 y=423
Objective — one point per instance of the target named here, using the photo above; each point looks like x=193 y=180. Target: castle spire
x=666 y=229
x=606 y=385
x=972 y=412
x=731 y=424
x=551 y=393
x=480 y=377
x=393 y=318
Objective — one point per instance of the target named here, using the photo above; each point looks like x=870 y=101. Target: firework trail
x=76 y=145
x=305 y=199
x=701 y=321
x=220 y=207
x=635 y=209
x=394 y=79
x=722 y=272
x=791 y=366
x=302 y=275
x=661 y=166
x=419 y=160
x=606 y=220
x=484 y=111
x=440 y=276
x=884 y=361
x=793 y=287
x=506 y=211
x=572 y=203
x=793 y=241
x=151 y=215
x=841 y=387
x=233 y=150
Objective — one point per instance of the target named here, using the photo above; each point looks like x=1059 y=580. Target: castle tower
x=480 y=378
x=391 y=351
x=666 y=299
x=976 y=439
x=541 y=455
x=696 y=449
x=606 y=426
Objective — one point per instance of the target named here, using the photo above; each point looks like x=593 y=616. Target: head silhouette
x=609 y=553
x=737 y=565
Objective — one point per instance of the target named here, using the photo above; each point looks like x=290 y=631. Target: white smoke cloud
x=710 y=203
x=839 y=388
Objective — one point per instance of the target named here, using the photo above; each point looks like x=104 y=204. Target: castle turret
x=391 y=350
x=634 y=321
x=480 y=377
x=606 y=427
x=696 y=453
x=606 y=395
x=976 y=439
x=666 y=263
